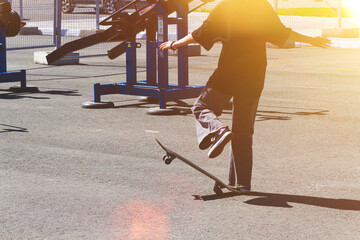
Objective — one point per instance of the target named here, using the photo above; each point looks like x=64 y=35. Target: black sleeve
x=276 y=32
x=253 y=18
x=213 y=29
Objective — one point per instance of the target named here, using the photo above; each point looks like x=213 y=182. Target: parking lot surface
x=73 y=173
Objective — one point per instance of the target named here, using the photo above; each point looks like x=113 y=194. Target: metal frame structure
x=157 y=83
x=6 y=76
x=152 y=16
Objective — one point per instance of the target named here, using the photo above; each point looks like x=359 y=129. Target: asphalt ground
x=73 y=173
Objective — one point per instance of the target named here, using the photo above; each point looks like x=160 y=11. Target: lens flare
x=136 y=220
x=353 y=6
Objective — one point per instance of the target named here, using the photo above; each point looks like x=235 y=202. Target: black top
x=243 y=27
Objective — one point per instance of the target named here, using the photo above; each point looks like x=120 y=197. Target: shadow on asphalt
x=262 y=115
x=11 y=96
x=284 y=200
x=277 y=115
x=70 y=93
x=4 y=128
x=14 y=95
x=185 y=108
x=55 y=77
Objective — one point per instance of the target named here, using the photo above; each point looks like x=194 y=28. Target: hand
x=321 y=42
x=165 y=45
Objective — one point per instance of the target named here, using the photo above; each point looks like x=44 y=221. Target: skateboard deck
x=171 y=155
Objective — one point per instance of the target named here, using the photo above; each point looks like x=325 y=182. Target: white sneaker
x=223 y=136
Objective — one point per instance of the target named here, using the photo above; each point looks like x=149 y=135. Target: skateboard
x=219 y=185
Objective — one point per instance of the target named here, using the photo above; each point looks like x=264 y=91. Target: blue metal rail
x=6 y=76
x=157 y=63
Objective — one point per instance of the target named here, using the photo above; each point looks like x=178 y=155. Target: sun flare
x=353 y=6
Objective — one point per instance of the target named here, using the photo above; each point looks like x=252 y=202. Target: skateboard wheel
x=217 y=190
x=167 y=159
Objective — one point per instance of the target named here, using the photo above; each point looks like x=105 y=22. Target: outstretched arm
x=179 y=43
x=315 y=41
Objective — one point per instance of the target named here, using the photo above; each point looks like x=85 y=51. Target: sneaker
x=241 y=189
x=222 y=137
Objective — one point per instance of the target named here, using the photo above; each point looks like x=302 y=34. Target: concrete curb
x=340 y=33
x=338 y=43
x=29 y=31
x=40 y=58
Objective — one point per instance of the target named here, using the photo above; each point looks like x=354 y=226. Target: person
x=243 y=27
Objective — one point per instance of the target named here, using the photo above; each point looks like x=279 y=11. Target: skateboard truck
x=218 y=188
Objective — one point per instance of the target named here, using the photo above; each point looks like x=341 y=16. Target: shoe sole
x=217 y=149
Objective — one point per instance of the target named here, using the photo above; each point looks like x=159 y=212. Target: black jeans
x=207 y=108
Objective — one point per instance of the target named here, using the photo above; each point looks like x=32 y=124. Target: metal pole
x=183 y=54
x=97 y=15
x=339 y=14
x=54 y=23
x=57 y=23
x=21 y=10
x=2 y=51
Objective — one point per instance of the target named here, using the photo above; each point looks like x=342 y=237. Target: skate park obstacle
x=154 y=19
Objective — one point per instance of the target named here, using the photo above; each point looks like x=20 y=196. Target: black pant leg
x=241 y=155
